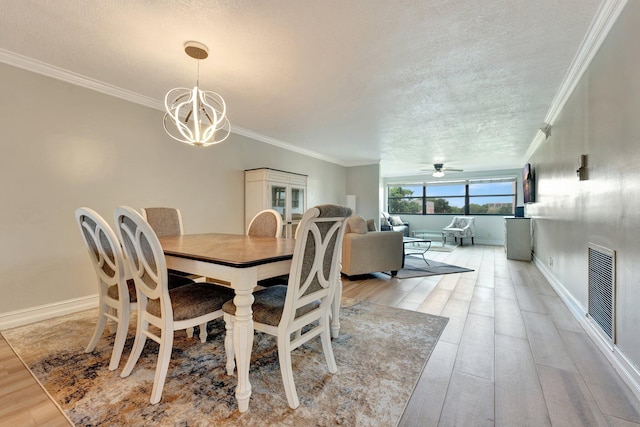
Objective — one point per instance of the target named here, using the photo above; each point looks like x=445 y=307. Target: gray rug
x=415 y=266
x=380 y=354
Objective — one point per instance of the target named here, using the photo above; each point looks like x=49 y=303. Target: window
x=445 y=199
x=471 y=197
x=406 y=199
x=496 y=198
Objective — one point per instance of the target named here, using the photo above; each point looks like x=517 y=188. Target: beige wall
x=601 y=119
x=64 y=146
x=363 y=182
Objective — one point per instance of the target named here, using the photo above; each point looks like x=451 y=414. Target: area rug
x=380 y=354
x=415 y=266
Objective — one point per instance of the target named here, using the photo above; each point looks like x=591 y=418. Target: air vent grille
x=602 y=289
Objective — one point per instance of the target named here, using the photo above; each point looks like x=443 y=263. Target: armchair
x=461 y=226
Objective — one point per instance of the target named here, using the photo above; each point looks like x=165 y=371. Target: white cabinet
x=286 y=192
x=517 y=239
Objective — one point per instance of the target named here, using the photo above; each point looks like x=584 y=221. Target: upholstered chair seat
x=269 y=304
x=194 y=300
x=131 y=287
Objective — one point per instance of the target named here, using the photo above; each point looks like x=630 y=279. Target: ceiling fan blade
x=452 y=170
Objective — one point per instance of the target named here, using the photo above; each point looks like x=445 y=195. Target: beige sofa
x=365 y=250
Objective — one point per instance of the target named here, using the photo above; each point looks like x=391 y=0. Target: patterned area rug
x=380 y=354
x=415 y=266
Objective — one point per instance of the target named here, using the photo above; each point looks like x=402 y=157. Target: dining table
x=241 y=261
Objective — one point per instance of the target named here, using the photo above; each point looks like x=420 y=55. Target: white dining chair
x=305 y=303
x=164 y=221
x=167 y=309
x=168 y=222
x=266 y=223
x=116 y=289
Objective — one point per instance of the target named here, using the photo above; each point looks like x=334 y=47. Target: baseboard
x=487 y=242
x=17 y=318
x=621 y=363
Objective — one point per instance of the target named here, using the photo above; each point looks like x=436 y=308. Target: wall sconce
x=582 y=168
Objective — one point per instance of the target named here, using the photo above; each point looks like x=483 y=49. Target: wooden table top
x=235 y=250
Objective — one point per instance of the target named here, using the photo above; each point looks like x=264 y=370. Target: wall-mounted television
x=528 y=184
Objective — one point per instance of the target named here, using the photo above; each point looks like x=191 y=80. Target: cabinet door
x=297 y=208
x=279 y=199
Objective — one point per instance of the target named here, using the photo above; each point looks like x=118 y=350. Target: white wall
x=600 y=119
x=363 y=182
x=64 y=146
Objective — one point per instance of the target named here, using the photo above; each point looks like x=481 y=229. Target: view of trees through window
x=463 y=198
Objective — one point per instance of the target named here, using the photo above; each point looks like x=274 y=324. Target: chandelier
x=194 y=116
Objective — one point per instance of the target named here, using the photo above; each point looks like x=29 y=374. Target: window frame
x=468 y=196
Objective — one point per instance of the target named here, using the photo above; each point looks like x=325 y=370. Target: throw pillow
x=384 y=221
x=395 y=220
x=357 y=224
x=371 y=225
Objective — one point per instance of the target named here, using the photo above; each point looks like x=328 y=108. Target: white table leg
x=243 y=284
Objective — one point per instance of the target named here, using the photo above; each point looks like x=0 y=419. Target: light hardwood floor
x=22 y=401
x=511 y=354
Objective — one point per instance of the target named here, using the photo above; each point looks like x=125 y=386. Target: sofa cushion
x=356 y=224
x=395 y=220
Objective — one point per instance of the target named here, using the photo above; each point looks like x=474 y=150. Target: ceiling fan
x=439 y=170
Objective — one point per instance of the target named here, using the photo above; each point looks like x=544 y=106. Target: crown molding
x=602 y=23
x=537 y=141
x=284 y=145
x=58 y=73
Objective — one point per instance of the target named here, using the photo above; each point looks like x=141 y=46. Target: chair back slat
x=145 y=257
x=316 y=260
x=104 y=250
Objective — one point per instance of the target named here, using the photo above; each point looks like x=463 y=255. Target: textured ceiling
x=408 y=83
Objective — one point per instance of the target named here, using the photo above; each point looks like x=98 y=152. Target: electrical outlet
x=550 y=261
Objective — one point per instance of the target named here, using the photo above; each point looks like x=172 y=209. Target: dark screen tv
x=528 y=184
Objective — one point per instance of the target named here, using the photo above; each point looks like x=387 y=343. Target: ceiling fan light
x=438 y=174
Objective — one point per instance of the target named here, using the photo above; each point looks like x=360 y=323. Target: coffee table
x=436 y=235
x=413 y=244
